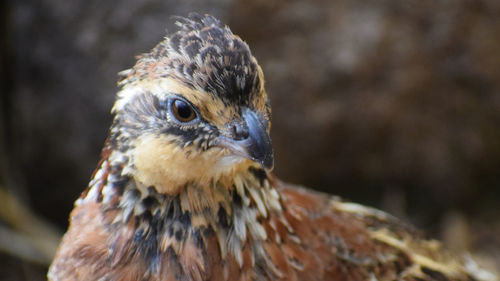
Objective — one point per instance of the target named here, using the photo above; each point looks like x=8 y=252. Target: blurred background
x=394 y=104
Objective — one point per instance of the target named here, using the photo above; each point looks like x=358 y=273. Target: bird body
x=184 y=190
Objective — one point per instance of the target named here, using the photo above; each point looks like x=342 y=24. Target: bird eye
x=182 y=111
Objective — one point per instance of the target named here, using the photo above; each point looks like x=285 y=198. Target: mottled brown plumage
x=184 y=190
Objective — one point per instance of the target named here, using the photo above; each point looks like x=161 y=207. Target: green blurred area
x=395 y=104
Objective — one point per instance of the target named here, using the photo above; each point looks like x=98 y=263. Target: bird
x=185 y=188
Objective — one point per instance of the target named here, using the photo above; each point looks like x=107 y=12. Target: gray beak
x=250 y=140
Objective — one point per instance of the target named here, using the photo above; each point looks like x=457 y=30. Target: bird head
x=194 y=109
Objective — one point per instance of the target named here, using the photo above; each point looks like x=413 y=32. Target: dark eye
x=182 y=111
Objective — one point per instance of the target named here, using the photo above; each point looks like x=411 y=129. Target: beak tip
x=268 y=161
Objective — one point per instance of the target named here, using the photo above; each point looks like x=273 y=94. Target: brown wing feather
x=328 y=239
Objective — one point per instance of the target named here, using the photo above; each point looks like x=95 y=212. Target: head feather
x=206 y=56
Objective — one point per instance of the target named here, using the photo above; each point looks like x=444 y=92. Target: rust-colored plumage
x=184 y=190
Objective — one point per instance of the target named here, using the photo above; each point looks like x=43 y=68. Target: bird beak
x=250 y=140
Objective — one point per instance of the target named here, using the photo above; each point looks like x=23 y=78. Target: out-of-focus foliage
x=391 y=103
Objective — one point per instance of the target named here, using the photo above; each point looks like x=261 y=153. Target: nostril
x=240 y=132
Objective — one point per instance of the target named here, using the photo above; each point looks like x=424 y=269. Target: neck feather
x=232 y=210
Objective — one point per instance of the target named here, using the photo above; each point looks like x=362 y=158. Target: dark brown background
x=395 y=104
